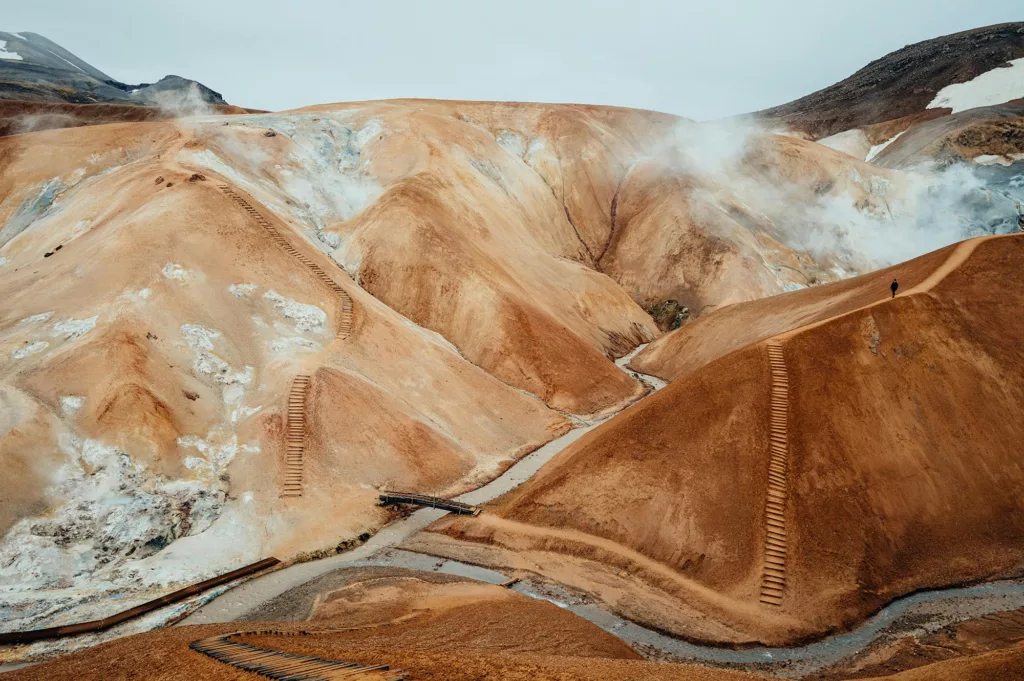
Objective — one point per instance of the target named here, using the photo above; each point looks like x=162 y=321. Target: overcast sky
x=699 y=59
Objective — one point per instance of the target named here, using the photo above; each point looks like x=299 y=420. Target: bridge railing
x=414 y=499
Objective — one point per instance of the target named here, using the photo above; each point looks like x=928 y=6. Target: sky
x=702 y=60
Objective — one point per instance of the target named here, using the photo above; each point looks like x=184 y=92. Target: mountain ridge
x=902 y=83
x=38 y=69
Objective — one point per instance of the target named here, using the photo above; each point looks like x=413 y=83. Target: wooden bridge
x=278 y=664
x=430 y=502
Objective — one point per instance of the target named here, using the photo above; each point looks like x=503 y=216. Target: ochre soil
x=899 y=427
x=18 y=116
x=431 y=626
x=1002 y=632
x=996 y=130
x=710 y=337
x=118 y=231
x=998 y=665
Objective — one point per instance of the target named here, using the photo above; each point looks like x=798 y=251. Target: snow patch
x=80 y=228
x=69 y=404
x=241 y=413
x=878 y=148
x=293 y=344
x=30 y=349
x=218 y=448
x=370 y=129
x=137 y=296
x=999 y=85
x=113 y=513
x=36 y=318
x=75 y=67
x=32 y=209
x=3 y=261
x=74 y=328
x=4 y=54
x=349 y=255
x=990 y=159
x=306 y=317
x=332 y=240
x=853 y=142
x=200 y=339
x=175 y=271
x=512 y=142
x=20 y=36
x=242 y=290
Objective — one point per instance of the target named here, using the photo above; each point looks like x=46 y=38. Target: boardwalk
x=277 y=664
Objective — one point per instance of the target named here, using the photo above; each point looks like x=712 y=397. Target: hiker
x=893 y=286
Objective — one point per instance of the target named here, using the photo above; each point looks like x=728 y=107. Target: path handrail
x=147 y=607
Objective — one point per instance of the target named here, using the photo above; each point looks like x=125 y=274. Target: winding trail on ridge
x=918 y=612
x=253 y=593
x=957 y=258
x=940 y=605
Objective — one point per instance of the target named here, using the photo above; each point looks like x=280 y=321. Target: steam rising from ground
x=43 y=121
x=183 y=103
x=844 y=212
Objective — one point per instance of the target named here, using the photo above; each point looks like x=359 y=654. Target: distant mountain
x=44 y=86
x=34 y=68
x=905 y=83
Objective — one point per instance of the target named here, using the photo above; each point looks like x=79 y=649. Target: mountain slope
x=34 y=68
x=674 y=491
x=43 y=86
x=161 y=379
x=903 y=83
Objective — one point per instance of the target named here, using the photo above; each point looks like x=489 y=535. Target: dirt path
x=254 y=593
x=249 y=595
x=665 y=577
x=957 y=258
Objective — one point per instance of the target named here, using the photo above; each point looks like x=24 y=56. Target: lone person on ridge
x=893 y=286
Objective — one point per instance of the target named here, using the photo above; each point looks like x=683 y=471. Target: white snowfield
x=4 y=54
x=878 y=148
x=853 y=142
x=992 y=87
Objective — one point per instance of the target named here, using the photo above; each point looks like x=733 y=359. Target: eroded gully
x=916 y=614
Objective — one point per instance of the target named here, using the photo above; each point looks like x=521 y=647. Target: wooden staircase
x=296 y=428
x=773 y=577
x=278 y=664
x=296 y=437
x=345 y=318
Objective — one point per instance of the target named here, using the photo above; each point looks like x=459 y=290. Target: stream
x=252 y=593
x=915 y=614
